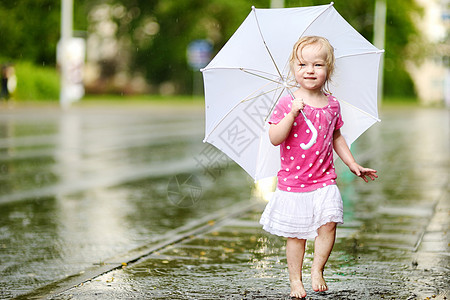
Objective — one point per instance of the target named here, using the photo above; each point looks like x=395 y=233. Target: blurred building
x=108 y=57
x=432 y=75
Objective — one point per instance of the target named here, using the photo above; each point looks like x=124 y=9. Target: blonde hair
x=314 y=40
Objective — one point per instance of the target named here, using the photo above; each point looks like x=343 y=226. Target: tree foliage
x=154 y=34
x=401 y=31
x=160 y=54
x=27 y=29
x=30 y=29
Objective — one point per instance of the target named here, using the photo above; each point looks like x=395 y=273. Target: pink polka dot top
x=307 y=170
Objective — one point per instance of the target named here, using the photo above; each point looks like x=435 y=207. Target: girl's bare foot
x=297 y=289
x=318 y=282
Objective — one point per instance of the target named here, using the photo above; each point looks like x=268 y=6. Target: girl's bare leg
x=295 y=251
x=322 y=249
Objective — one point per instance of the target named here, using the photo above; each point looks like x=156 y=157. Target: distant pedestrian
x=8 y=81
x=4 y=93
x=307 y=203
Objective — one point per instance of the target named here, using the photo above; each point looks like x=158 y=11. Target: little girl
x=307 y=203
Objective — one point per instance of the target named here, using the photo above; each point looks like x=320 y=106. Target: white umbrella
x=250 y=73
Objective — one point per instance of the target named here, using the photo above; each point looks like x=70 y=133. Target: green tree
x=161 y=30
x=154 y=34
x=401 y=31
x=161 y=56
x=30 y=29
x=27 y=29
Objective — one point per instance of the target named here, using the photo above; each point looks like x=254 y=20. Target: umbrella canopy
x=251 y=72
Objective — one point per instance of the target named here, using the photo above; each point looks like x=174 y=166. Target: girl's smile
x=310 y=68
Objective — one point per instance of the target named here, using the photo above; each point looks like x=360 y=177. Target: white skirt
x=299 y=215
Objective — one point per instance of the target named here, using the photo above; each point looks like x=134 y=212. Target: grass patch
x=400 y=100
x=158 y=100
x=41 y=84
x=36 y=83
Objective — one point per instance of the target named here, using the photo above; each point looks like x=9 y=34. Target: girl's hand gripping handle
x=313 y=131
x=308 y=122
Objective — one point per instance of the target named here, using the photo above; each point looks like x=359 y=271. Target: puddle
x=72 y=218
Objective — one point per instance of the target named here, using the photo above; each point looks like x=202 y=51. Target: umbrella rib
x=361 y=53
x=220 y=122
x=360 y=110
x=253 y=72
x=237 y=104
x=263 y=93
x=264 y=41
x=231 y=68
x=265 y=120
x=249 y=71
x=260 y=76
x=307 y=27
x=274 y=104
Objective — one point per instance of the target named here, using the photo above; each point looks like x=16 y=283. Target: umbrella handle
x=308 y=122
x=313 y=131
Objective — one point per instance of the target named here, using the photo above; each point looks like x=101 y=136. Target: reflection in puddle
x=87 y=219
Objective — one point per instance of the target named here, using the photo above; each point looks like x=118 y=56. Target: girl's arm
x=341 y=148
x=279 y=132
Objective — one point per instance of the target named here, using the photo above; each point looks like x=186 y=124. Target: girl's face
x=310 y=67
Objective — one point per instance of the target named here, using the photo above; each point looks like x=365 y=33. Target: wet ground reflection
x=77 y=188
x=81 y=187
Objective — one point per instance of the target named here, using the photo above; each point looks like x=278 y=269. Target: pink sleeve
x=281 y=110
x=339 y=122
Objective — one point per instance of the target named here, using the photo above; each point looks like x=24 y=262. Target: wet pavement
x=127 y=203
